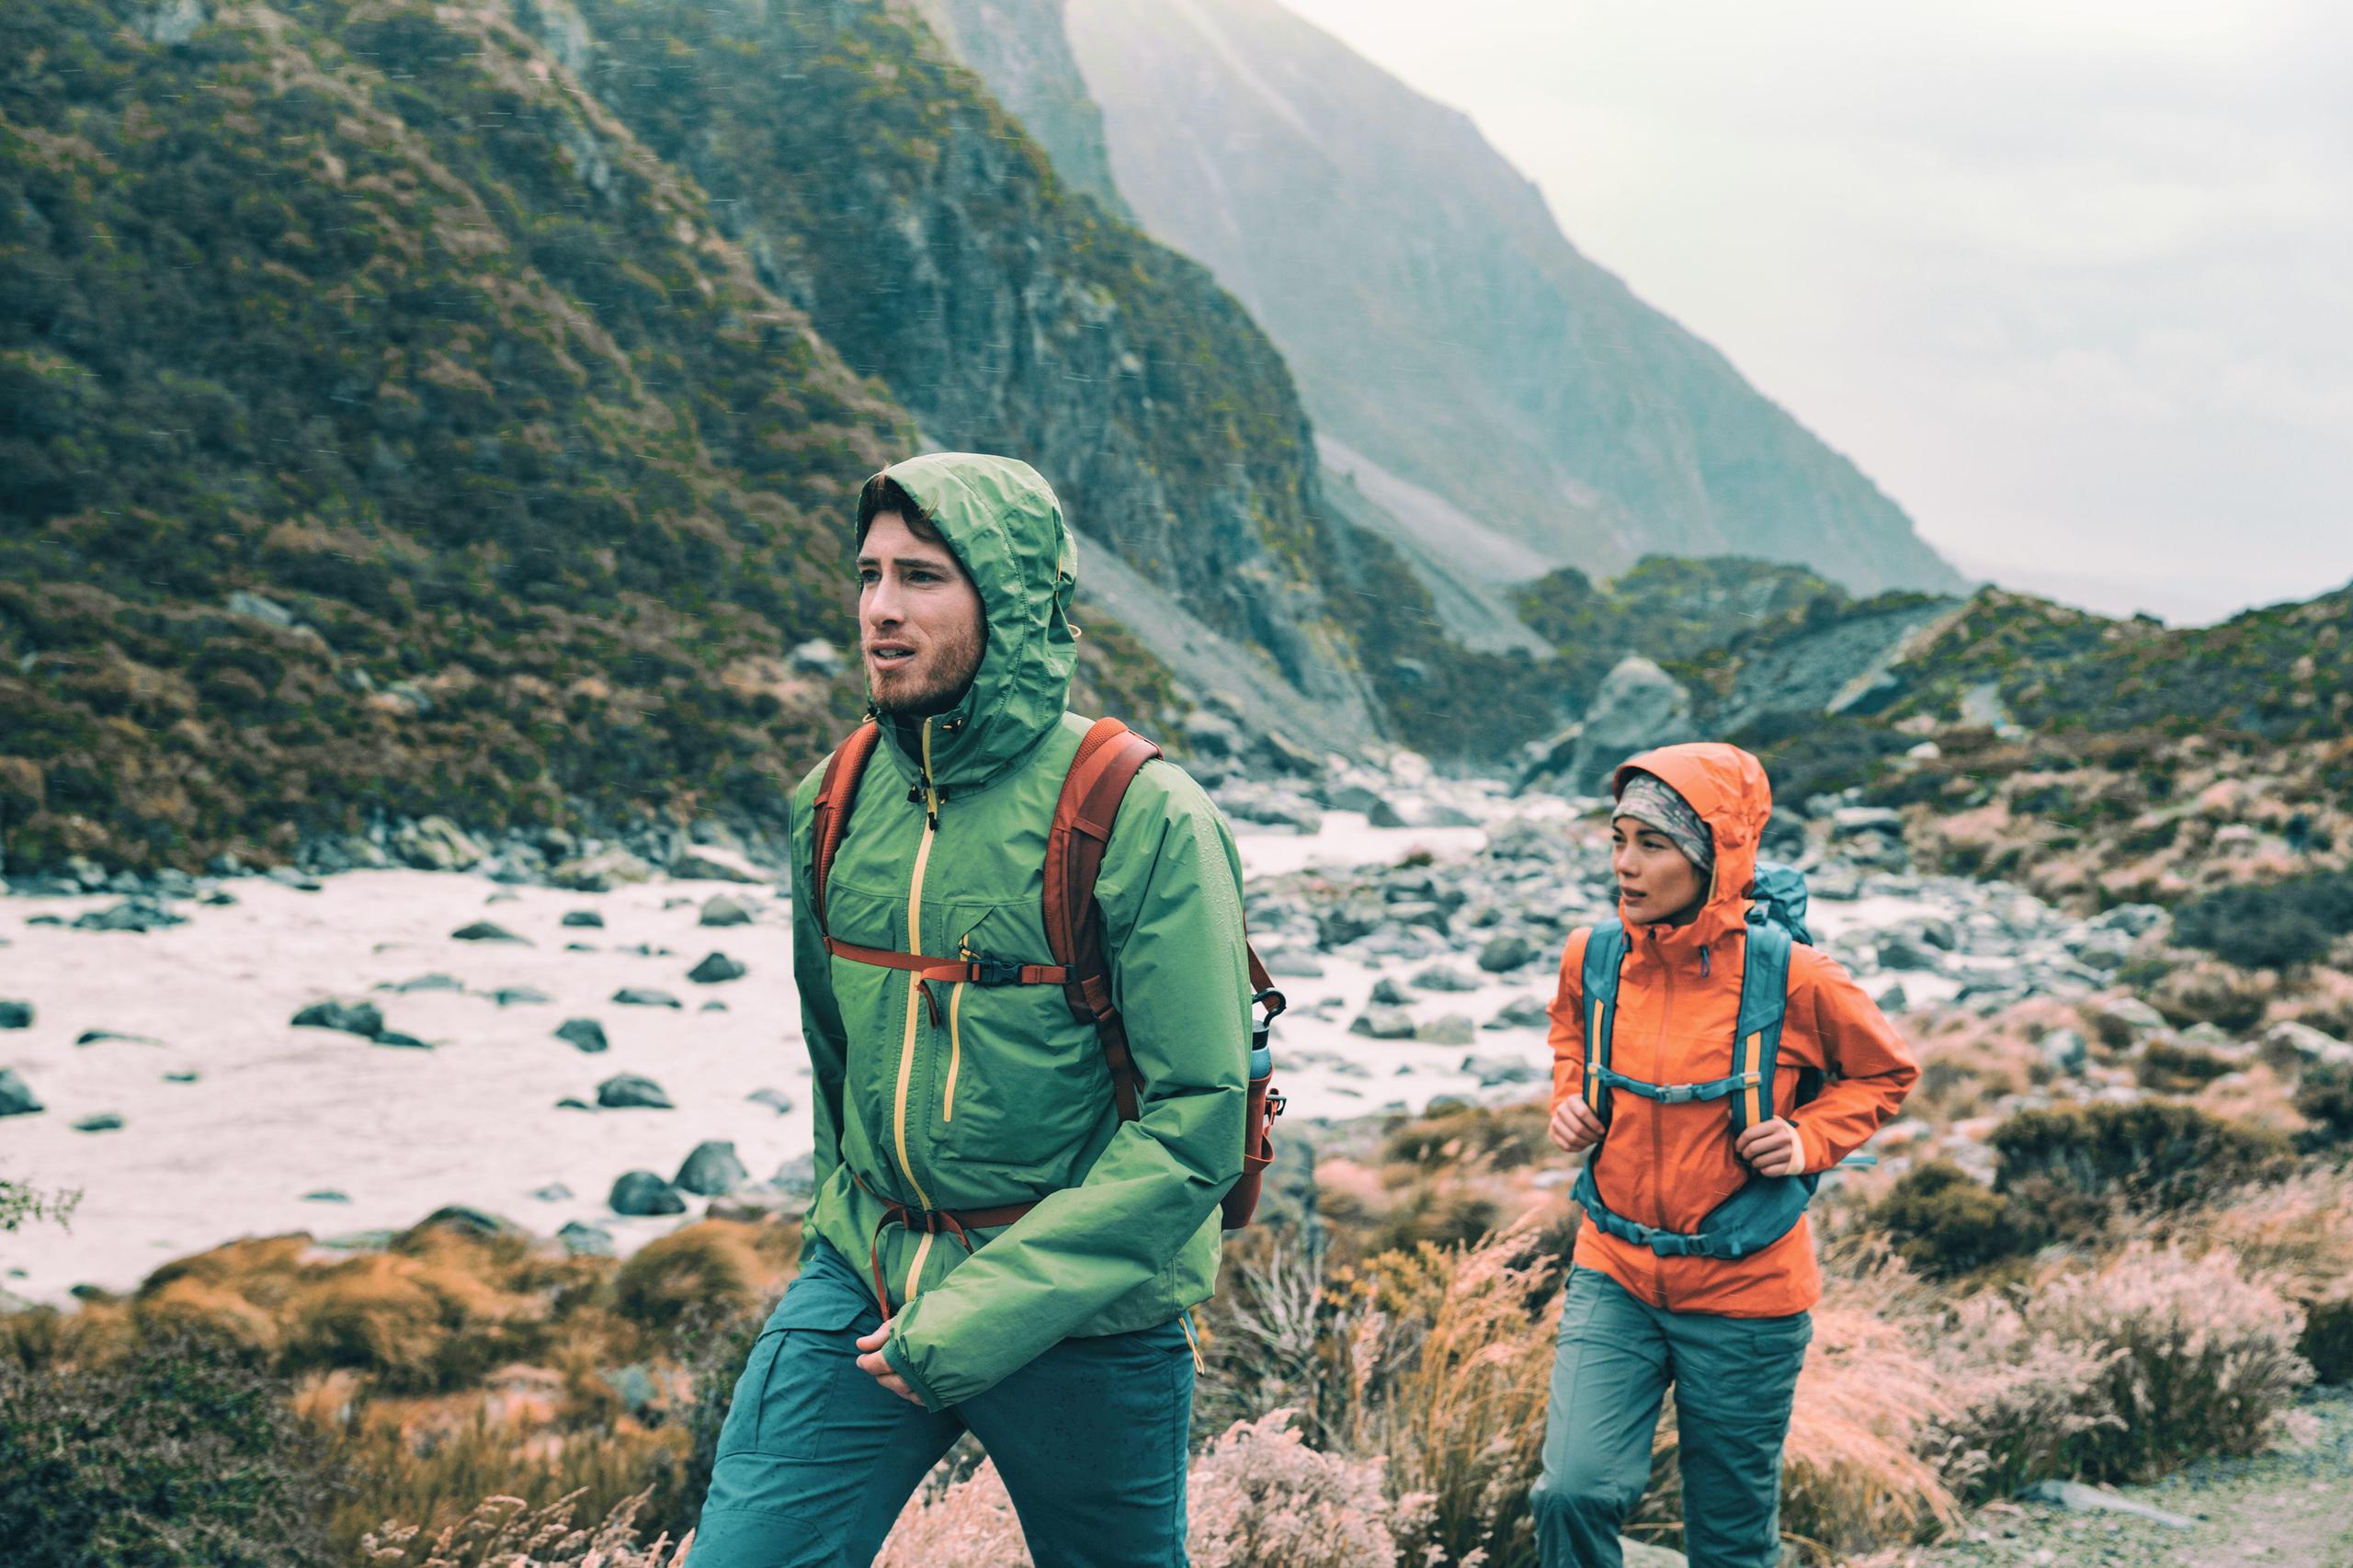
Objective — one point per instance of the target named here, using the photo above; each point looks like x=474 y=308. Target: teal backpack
x=1766 y=1209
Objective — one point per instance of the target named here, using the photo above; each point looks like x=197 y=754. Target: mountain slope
x=1437 y=322
x=393 y=431
x=877 y=184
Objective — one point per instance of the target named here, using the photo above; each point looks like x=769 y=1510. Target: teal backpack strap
x=1757 y=1040
x=1605 y=953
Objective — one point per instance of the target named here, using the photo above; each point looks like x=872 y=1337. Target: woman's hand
x=1772 y=1149
x=1573 y=1126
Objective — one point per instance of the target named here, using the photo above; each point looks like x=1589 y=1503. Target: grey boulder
x=716 y=968
x=16 y=1097
x=631 y=1091
x=586 y=1034
x=710 y=1170
x=361 y=1018
x=642 y=1192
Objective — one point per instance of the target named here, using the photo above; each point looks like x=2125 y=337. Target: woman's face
x=1655 y=883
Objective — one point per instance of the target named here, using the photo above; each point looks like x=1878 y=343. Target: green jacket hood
x=1005 y=525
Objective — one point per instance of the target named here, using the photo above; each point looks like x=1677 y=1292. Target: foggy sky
x=2072 y=280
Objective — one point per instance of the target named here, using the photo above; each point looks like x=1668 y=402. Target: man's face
x=920 y=621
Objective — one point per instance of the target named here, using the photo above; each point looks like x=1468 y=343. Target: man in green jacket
x=1058 y=1339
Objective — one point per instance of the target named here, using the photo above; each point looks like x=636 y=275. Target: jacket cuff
x=896 y=1355
x=1818 y=1157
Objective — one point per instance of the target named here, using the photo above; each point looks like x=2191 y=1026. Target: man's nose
x=879 y=604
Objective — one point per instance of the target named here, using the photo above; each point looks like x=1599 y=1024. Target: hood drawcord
x=1703 y=963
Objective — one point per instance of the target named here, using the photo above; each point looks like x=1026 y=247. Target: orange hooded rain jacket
x=1667 y=1165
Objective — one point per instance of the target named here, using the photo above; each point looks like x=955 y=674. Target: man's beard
x=958 y=662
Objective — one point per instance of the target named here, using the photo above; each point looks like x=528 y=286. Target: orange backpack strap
x=837 y=797
x=1108 y=761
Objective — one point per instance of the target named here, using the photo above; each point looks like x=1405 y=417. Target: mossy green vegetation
x=393 y=431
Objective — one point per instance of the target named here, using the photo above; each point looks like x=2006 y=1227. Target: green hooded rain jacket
x=1007 y=1099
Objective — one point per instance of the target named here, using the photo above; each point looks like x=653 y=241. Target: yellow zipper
x=915 y=1270
x=915 y=987
x=955 y=1048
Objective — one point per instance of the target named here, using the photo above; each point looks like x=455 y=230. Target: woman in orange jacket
x=1689 y=1085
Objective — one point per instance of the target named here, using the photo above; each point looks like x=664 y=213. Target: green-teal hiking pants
x=1733 y=1378
x=816 y=1459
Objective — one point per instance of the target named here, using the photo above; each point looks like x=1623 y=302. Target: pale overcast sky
x=2072 y=280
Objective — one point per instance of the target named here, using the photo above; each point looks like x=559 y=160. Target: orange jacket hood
x=1728 y=788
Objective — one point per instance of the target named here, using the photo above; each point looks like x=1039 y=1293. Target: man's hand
x=1772 y=1149
x=1573 y=1126
x=872 y=1362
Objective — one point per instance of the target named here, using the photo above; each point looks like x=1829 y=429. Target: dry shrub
x=1261 y=1498
x=508 y=1532
x=1257 y=1497
x=2204 y=1358
x=2299 y=1232
x=721 y=1265
x=2016 y=1399
x=430 y=1463
x=1462 y=1421
x=965 y=1523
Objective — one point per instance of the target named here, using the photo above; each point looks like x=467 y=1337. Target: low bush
x=2271 y=926
x=1944 y=1223
x=184 y=1454
x=2203 y=1358
x=1507 y=1137
x=2169 y=1067
x=2067 y=1161
x=2324 y=1097
x=2327 y=1343
x=504 y=1532
x=2018 y=1399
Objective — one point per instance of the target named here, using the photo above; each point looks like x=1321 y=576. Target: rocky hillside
x=2098 y=762
x=1432 y=310
x=395 y=428
x=875 y=184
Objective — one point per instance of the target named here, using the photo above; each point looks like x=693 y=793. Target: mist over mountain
x=1443 y=331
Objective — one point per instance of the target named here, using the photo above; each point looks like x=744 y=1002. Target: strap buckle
x=993 y=971
x=1677 y=1094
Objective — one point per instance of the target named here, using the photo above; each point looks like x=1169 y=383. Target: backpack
x=1108 y=761
x=1765 y=1208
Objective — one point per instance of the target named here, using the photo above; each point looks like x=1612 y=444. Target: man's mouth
x=888 y=653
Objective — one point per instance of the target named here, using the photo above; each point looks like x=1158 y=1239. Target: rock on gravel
x=16 y=1097
x=718 y=909
x=483 y=931
x=644 y=996
x=586 y=1034
x=626 y=1091
x=1383 y=1023
x=715 y=969
x=1503 y=954
x=712 y=1169
x=15 y=1015
x=362 y=1019
x=642 y=1192
x=594 y=1241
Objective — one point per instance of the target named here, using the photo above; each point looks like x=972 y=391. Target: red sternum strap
x=950 y=972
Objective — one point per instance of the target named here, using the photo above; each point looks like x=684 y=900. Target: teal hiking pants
x=1733 y=1378
x=816 y=1459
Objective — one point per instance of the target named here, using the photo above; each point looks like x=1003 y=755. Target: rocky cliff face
x=1021 y=49
x=1438 y=322
x=394 y=429
x=877 y=185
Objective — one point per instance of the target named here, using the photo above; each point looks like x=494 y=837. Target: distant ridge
x=1436 y=320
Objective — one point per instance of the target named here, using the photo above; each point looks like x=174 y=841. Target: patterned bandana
x=1652 y=801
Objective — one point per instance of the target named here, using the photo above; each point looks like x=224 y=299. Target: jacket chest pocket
x=1021 y=1080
